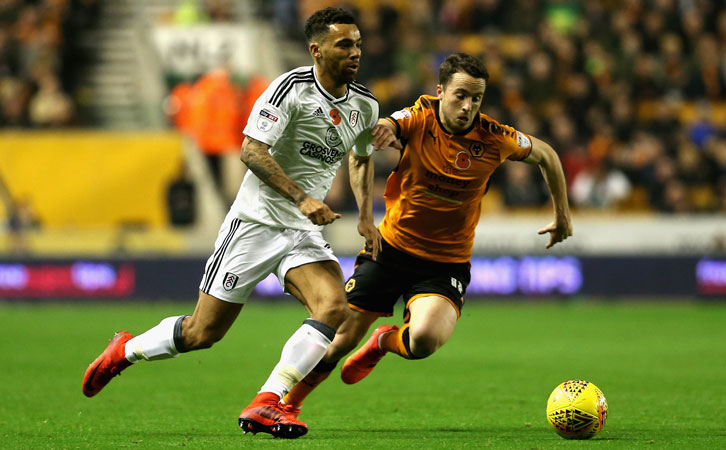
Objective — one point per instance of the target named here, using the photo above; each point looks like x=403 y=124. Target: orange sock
x=394 y=342
x=301 y=390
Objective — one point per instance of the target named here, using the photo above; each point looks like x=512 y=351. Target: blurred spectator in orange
x=177 y=107
x=213 y=111
x=216 y=120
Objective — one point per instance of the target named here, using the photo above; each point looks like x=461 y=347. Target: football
x=577 y=409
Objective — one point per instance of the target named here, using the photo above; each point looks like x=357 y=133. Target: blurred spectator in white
x=600 y=186
x=50 y=106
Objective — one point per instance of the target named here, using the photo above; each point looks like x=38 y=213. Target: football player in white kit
x=297 y=134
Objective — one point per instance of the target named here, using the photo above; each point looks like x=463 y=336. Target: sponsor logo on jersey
x=523 y=141
x=324 y=154
x=332 y=138
x=402 y=114
x=230 y=281
x=353 y=117
x=446 y=179
x=319 y=112
x=269 y=115
x=335 y=116
x=476 y=149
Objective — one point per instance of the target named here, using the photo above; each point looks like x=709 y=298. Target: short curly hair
x=320 y=21
x=462 y=62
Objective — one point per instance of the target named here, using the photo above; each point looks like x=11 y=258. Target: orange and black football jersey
x=433 y=198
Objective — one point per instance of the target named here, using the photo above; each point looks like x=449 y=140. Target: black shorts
x=376 y=286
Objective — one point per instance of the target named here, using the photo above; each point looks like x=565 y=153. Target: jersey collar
x=325 y=93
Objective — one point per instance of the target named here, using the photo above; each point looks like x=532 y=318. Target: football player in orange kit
x=433 y=204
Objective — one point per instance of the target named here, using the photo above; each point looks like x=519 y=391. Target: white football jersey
x=309 y=133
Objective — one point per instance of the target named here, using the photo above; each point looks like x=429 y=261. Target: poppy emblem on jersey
x=350 y=285
x=332 y=138
x=230 y=281
x=463 y=160
x=354 y=117
x=476 y=149
x=335 y=116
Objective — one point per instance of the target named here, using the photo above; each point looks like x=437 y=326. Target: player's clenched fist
x=318 y=212
x=383 y=137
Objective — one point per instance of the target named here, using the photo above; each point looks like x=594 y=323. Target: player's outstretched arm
x=256 y=157
x=549 y=163
x=360 y=170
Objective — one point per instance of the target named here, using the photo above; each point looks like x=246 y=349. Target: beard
x=344 y=77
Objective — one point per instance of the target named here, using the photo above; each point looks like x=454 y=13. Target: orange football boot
x=265 y=415
x=109 y=364
x=361 y=363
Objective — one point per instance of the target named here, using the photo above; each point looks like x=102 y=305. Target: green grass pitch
x=661 y=366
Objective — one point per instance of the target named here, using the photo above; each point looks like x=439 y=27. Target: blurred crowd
x=629 y=92
x=37 y=51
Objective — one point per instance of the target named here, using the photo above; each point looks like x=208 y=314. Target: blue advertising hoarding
x=492 y=277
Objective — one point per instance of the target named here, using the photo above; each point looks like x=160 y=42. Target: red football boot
x=264 y=415
x=361 y=363
x=109 y=364
x=290 y=410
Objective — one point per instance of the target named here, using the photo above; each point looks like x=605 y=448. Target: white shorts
x=245 y=253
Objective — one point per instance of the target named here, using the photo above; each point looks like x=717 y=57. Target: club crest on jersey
x=332 y=138
x=230 y=281
x=353 y=117
x=463 y=161
x=476 y=149
x=350 y=285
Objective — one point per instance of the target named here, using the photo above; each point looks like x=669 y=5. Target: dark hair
x=462 y=62
x=321 y=20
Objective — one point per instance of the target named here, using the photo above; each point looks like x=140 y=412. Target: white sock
x=156 y=343
x=303 y=351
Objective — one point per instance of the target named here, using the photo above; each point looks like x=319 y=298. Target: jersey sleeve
x=267 y=121
x=407 y=119
x=363 y=145
x=514 y=145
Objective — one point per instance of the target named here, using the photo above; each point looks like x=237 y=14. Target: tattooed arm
x=256 y=157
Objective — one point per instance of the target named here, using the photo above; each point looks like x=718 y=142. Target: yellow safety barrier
x=89 y=178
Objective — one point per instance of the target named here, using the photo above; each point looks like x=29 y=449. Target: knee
x=341 y=346
x=333 y=312
x=424 y=344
